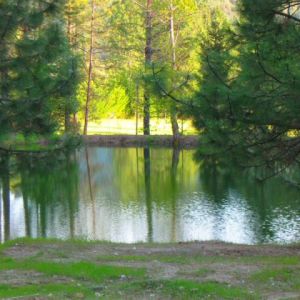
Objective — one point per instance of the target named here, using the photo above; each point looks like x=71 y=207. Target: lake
x=142 y=195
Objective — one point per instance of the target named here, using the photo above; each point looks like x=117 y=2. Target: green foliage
x=44 y=44
x=39 y=143
x=37 y=68
x=250 y=84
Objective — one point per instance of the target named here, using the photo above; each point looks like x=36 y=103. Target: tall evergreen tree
x=250 y=89
x=38 y=70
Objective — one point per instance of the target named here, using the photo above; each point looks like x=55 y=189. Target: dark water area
x=142 y=195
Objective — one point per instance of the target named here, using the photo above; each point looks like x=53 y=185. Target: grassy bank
x=36 y=143
x=44 y=269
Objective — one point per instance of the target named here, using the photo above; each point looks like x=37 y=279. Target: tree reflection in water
x=131 y=195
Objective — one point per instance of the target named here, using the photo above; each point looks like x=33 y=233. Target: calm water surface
x=140 y=195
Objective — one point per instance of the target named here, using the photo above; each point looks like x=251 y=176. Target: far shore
x=184 y=141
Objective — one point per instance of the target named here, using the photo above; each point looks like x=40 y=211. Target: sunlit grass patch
x=128 y=126
x=78 y=270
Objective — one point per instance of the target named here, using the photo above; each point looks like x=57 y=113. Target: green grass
x=287 y=278
x=73 y=243
x=274 y=274
x=78 y=270
x=127 y=126
x=203 y=272
x=270 y=260
x=184 y=289
x=72 y=279
x=167 y=289
x=179 y=259
x=29 y=241
x=59 y=291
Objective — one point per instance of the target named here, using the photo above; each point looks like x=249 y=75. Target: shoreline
x=208 y=248
x=184 y=142
x=44 y=146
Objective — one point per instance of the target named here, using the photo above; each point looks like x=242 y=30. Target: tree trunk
x=174 y=123
x=137 y=109
x=148 y=64
x=6 y=197
x=174 y=169
x=92 y=198
x=149 y=207
x=67 y=106
x=67 y=118
x=173 y=112
x=90 y=71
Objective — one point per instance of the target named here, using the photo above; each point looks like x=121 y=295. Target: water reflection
x=5 y=193
x=132 y=195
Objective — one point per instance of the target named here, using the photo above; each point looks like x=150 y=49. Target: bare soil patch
x=90 y=251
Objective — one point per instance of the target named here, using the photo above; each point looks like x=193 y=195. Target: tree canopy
x=248 y=100
x=37 y=68
x=232 y=66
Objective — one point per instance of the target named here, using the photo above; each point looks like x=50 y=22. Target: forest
x=229 y=66
x=150 y=149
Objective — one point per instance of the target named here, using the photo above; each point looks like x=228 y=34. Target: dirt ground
x=92 y=250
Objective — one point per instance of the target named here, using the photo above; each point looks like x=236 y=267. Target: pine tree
x=38 y=70
x=250 y=90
